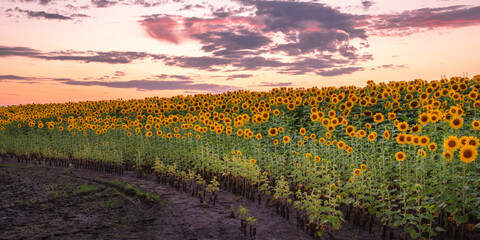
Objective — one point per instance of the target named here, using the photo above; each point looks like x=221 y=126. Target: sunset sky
x=77 y=50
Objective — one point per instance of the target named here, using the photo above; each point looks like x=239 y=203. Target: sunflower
x=302 y=131
x=424 y=140
x=361 y=133
x=349 y=129
x=468 y=154
x=424 y=118
x=308 y=155
x=300 y=143
x=476 y=124
x=386 y=134
x=416 y=128
x=456 y=122
x=317 y=159
x=363 y=167
x=253 y=161
x=391 y=116
x=368 y=125
x=299 y=165
x=472 y=141
x=452 y=143
x=313 y=136
x=357 y=172
x=372 y=136
x=321 y=140
x=400 y=156
x=276 y=112
x=281 y=129
x=340 y=144
x=378 y=117
x=421 y=153
x=239 y=153
x=239 y=132
x=275 y=142
x=286 y=139
x=432 y=147
x=314 y=117
x=403 y=126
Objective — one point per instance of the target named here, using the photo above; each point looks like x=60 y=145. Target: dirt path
x=43 y=203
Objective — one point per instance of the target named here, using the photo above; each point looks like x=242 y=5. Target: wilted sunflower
x=451 y=143
x=422 y=153
x=400 y=156
x=468 y=154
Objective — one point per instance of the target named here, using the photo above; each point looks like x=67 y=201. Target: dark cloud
x=140 y=85
x=12 y=77
x=103 y=3
x=236 y=43
x=339 y=71
x=235 y=76
x=231 y=41
x=206 y=63
x=113 y=57
x=119 y=74
x=367 y=4
x=420 y=20
x=302 y=16
x=150 y=85
x=18 y=51
x=179 y=77
x=45 y=15
x=392 y=66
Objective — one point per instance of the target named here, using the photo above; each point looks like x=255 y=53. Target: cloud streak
x=139 y=85
x=420 y=20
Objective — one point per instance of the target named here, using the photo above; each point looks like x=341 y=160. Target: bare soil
x=40 y=202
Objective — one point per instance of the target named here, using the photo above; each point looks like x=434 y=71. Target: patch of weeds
x=85 y=189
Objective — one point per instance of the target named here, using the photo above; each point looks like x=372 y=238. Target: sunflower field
x=405 y=153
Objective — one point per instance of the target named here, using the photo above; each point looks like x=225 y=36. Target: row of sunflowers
x=404 y=152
